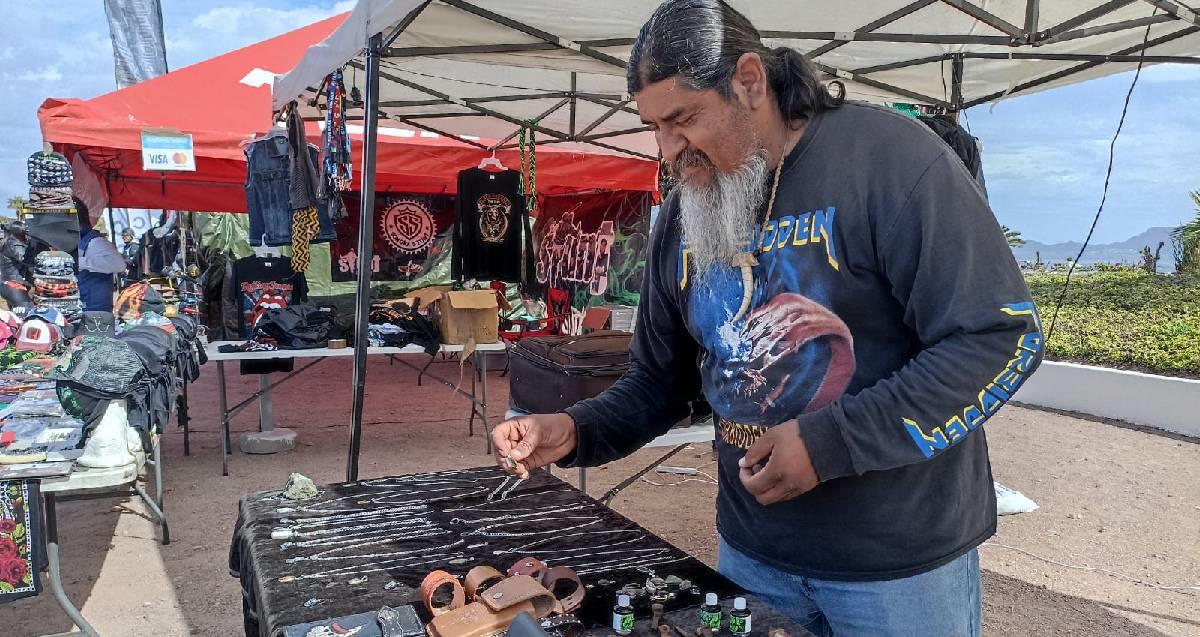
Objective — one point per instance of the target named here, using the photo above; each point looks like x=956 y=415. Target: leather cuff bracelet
x=561 y=579
x=530 y=566
x=442 y=593
x=479 y=579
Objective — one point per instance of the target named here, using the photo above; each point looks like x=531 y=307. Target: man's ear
x=750 y=84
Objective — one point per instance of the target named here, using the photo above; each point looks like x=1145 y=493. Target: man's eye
x=686 y=121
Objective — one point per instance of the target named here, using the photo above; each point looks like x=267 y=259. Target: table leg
x=474 y=401
x=54 y=569
x=481 y=358
x=224 y=418
x=583 y=480
x=266 y=406
x=185 y=421
x=156 y=504
x=421 y=373
x=160 y=494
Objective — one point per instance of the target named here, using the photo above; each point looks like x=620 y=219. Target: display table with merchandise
x=477 y=394
x=306 y=566
x=95 y=484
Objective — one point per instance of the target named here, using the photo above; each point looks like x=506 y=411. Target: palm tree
x=16 y=203
x=1013 y=237
x=1187 y=241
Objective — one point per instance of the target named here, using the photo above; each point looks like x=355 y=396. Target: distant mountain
x=1127 y=251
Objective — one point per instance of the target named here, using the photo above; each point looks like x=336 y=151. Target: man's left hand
x=788 y=471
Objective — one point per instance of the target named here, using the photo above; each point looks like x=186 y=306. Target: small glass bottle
x=739 y=618
x=710 y=612
x=622 y=619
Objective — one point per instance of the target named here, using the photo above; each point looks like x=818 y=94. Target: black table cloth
x=359 y=546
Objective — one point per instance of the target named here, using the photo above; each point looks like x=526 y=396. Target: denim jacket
x=268 y=198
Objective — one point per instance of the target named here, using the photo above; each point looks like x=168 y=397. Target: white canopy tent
x=485 y=68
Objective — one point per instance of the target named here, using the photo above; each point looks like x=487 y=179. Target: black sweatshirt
x=888 y=315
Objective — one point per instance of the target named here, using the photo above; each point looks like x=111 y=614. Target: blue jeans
x=944 y=602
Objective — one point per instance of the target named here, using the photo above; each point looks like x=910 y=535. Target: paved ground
x=1119 y=523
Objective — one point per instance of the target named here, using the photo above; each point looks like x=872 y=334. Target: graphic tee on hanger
x=264 y=283
x=491 y=228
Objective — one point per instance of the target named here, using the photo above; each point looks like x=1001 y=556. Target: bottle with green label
x=622 y=619
x=739 y=618
x=710 y=612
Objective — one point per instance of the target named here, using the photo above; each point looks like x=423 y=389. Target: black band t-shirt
x=264 y=283
x=491 y=228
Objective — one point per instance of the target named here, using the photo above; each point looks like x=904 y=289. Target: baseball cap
x=9 y=318
x=138 y=298
x=37 y=335
x=49 y=315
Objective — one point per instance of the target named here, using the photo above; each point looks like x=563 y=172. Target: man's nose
x=671 y=144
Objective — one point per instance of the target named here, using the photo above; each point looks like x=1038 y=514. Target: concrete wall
x=1167 y=403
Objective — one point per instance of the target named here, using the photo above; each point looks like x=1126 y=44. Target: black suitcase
x=551 y=373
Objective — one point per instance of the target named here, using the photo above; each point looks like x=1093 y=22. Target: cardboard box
x=424 y=297
x=596 y=318
x=469 y=315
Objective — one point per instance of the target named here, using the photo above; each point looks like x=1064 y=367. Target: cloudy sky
x=1044 y=154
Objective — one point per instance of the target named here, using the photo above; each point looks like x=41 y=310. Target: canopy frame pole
x=465 y=104
x=436 y=131
x=986 y=17
x=912 y=38
x=867 y=28
x=611 y=111
x=902 y=64
x=1083 y=18
x=595 y=99
x=544 y=36
x=404 y=24
x=593 y=140
x=574 y=100
x=1124 y=25
x=956 y=81
x=1032 y=9
x=1175 y=9
x=544 y=114
x=487 y=49
x=1079 y=68
x=472 y=100
x=1085 y=57
x=366 y=239
x=561 y=137
x=883 y=86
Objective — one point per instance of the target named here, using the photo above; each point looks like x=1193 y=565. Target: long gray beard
x=718 y=220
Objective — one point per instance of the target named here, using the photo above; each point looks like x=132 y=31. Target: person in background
x=99 y=261
x=132 y=252
x=13 y=266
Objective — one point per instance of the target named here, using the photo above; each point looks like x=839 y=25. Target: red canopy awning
x=226 y=101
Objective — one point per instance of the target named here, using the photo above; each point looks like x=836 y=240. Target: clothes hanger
x=491 y=163
x=266 y=252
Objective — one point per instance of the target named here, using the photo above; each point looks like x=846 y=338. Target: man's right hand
x=533 y=442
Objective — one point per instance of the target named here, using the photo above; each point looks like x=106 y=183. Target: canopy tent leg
x=366 y=238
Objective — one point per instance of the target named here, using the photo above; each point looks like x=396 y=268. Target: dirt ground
x=1110 y=552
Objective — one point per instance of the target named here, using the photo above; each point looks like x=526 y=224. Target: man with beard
x=856 y=313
